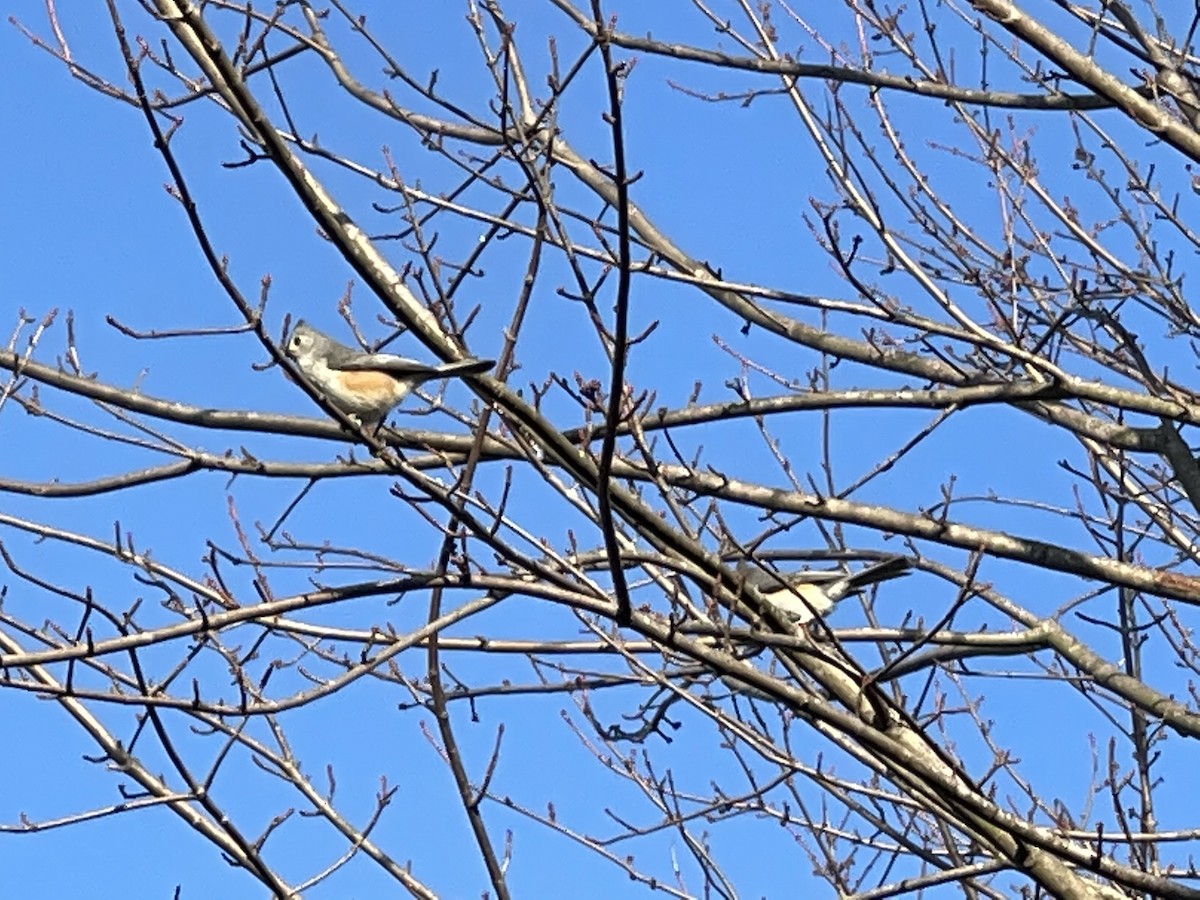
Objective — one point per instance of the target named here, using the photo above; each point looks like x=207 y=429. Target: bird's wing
x=403 y=367
x=764 y=579
x=384 y=362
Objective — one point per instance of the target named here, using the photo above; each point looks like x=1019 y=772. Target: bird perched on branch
x=809 y=593
x=365 y=385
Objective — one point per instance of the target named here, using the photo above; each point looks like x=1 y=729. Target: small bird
x=365 y=385
x=809 y=593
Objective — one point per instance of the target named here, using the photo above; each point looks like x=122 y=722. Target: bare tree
x=770 y=289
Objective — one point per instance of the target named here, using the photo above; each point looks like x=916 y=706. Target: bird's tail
x=884 y=570
x=466 y=367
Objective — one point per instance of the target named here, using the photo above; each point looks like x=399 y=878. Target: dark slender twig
x=620 y=343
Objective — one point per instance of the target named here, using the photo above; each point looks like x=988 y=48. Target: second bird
x=804 y=594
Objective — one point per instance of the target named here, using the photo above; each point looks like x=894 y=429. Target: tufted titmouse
x=366 y=385
x=805 y=594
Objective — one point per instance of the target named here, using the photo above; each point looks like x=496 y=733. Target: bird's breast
x=361 y=392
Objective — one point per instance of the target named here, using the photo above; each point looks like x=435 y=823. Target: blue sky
x=89 y=228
